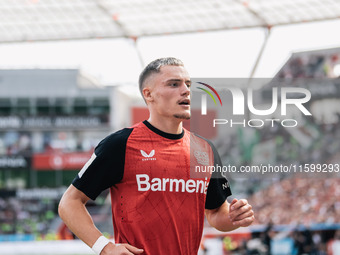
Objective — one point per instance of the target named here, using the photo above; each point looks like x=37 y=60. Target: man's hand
x=241 y=213
x=121 y=249
x=231 y=216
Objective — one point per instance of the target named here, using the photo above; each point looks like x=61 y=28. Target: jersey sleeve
x=219 y=188
x=105 y=168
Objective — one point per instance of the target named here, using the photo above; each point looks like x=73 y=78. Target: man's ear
x=147 y=94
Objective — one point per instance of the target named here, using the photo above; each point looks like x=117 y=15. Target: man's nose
x=185 y=90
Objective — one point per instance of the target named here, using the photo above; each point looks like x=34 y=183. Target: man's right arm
x=73 y=212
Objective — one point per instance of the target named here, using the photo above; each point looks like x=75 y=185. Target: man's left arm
x=230 y=216
x=219 y=213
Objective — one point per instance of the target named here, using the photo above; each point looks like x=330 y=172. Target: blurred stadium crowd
x=22 y=216
x=298 y=201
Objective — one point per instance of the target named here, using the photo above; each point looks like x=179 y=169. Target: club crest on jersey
x=149 y=156
x=202 y=157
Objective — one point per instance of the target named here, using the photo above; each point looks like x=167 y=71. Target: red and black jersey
x=157 y=202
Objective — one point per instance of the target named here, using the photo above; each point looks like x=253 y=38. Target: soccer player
x=157 y=206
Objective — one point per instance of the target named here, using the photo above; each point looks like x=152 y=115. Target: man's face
x=169 y=92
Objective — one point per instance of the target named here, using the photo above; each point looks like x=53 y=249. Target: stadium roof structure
x=49 y=20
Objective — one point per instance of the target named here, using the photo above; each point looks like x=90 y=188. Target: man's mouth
x=184 y=102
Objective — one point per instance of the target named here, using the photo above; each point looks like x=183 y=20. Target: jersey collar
x=163 y=134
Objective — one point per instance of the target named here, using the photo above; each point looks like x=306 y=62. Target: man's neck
x=167 y=125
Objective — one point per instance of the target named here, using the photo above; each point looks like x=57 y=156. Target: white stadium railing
x=66 y=247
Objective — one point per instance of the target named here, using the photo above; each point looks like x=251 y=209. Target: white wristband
x=99 y=245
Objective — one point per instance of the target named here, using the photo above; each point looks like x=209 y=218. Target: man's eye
x=173 y=84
